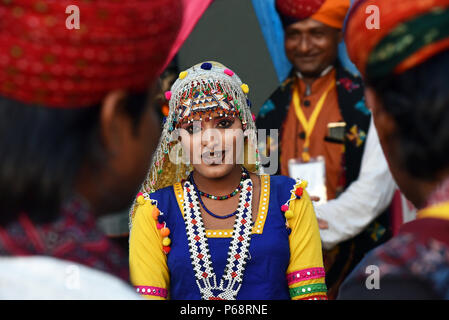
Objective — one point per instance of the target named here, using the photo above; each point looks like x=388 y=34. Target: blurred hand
x=322 y=224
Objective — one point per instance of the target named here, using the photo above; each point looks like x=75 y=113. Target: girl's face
x=214 y=146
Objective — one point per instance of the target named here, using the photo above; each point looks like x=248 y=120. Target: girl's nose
x=211 y=138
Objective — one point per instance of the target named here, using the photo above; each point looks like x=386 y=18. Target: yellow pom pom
x=288 y=214
x=141 y=200
x=245 y=88
x=182 y=75
x=166 y=242
x=303 y=184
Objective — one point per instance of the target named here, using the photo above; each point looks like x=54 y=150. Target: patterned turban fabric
x=329 y=12
x=119 y=45
x=410 y=32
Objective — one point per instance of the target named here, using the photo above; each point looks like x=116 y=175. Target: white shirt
x=364 y=199
x=42 y=278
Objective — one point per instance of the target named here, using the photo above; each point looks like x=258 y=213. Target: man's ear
x=113 y=121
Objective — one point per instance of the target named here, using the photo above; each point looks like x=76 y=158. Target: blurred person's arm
x=364 y=200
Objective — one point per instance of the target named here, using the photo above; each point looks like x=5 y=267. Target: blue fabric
x=273 y=33
x=265 y=273
x=272 y=30
x=267 y=107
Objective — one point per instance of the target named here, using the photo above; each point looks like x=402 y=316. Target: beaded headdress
x=203 y=91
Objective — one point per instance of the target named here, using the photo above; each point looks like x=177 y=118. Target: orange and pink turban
x=329 y=12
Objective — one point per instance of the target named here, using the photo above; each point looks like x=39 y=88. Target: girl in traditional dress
x=206 y=225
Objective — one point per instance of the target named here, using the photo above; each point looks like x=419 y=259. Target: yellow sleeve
x=305 y=273
x=147 y=261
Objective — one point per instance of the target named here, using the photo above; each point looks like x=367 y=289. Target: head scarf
x=411 y=31
x=330 y=12
x=203 y=91
x=119 y=45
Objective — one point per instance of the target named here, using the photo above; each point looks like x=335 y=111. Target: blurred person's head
x=312 y=33
x=76 y=113
x=405 y=64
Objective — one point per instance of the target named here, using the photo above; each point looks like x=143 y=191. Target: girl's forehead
x=205 y=103
x=209 y=118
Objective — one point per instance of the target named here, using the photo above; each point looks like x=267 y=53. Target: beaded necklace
x=233 y=193
x=238 y=253
x=198 y=193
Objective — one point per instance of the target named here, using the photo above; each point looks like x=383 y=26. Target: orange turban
x=119 y=45
x=410 y=32
x=329 y=12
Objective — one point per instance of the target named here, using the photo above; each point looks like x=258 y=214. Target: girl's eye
x=225 y=123
x=193 y=129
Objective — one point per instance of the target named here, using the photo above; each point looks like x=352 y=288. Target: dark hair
x=418 y=100
x=42 y=150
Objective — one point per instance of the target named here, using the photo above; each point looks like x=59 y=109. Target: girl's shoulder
x=165 y=199
x=282 y=180
x=282 y=184
x=165 y=193
x=283 y=188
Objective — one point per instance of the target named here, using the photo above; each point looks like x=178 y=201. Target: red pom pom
x=299 y=191
x=166 y=249
x=284 y=208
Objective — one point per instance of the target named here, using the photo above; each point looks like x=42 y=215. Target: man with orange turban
x=401 y=47
x=77 y=127
x=320 y=112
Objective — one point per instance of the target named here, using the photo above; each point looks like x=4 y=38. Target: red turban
x=329 y=12
x=410 y=32
x=121 y=44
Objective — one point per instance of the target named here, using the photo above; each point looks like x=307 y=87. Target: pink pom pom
x=254 y=117
x=284 y=208
x=159 y=226
x=139 y=194
x=229 y=72
x=167 y=95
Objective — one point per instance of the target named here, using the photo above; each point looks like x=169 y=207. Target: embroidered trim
x=238 y=253
x=316 y=297
x=259 y=224
x=310 y=288
x=264 y=203
x=219 y=233
x=179 y=193
x=305 y=274
x=152 y=291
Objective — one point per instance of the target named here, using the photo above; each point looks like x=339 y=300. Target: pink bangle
x=305 y=274
x=152 y=291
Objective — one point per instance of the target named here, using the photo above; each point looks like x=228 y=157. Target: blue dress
x=265 y=275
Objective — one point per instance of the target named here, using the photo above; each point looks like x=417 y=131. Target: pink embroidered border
x=305 y=274
x=152 y=291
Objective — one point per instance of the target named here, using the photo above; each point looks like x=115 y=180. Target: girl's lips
x=215 y=157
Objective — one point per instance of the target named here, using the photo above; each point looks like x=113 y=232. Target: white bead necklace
x=238 y=253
